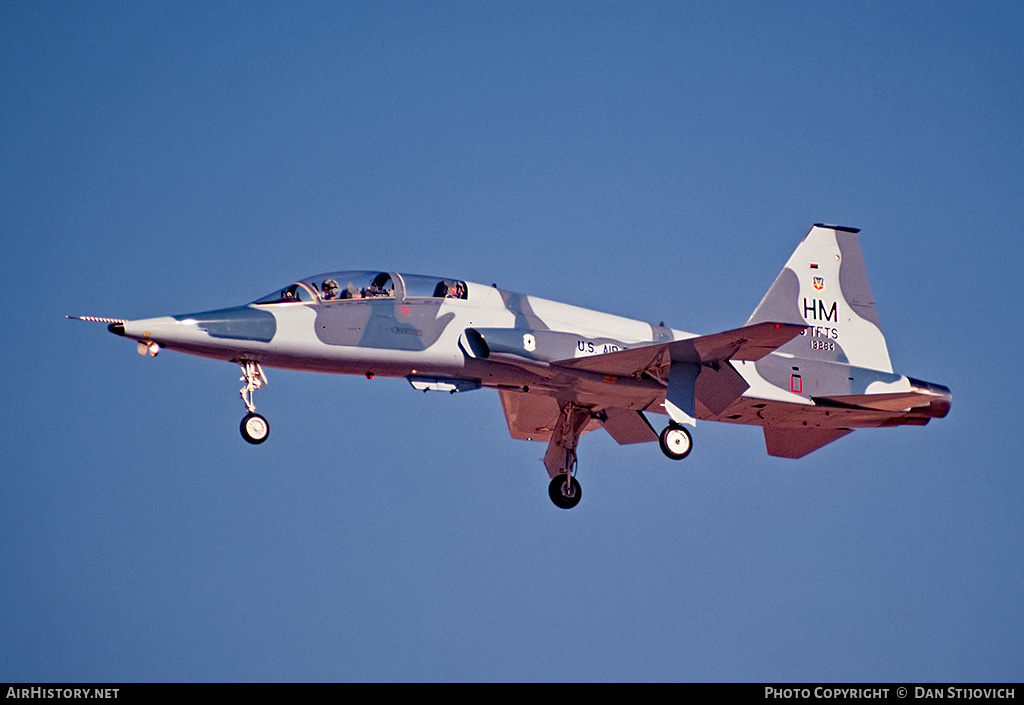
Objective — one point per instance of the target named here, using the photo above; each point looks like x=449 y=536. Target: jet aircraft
x=809 y=366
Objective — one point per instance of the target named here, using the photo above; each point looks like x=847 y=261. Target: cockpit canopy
x=351 y=286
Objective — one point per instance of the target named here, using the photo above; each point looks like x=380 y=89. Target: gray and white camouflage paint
x=809 y=366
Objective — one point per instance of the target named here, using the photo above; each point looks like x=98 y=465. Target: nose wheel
x=255 y=428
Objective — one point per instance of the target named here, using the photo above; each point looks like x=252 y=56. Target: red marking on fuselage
x=796 y=384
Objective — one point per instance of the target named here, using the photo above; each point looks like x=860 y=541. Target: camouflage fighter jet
x=809 y=366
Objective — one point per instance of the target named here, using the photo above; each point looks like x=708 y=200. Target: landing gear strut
x=560 y=459
x=255 y=429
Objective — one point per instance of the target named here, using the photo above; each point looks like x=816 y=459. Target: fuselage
x=810 y=364
x=450 y=334
x=396 y=330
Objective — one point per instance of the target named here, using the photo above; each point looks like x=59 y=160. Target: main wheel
x=565 y=491
x=676 y=441
x=255 y=428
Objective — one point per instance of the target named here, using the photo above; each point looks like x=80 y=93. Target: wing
x=540 y=417
x=695 y=368
x=747 y=343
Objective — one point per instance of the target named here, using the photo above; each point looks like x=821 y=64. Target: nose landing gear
x=255 y=428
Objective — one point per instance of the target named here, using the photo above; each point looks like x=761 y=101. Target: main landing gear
x=565 y=491
x=560 y=459
x=676 y=442
x=255 y=429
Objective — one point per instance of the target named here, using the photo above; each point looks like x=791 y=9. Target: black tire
x=676 y=442
x=565 y=497
x=255 y=429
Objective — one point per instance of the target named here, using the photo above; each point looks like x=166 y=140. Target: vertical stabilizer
x=824 y=286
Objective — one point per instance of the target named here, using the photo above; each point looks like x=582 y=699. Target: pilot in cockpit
x=377 y=287
x=450 y=290
x=330 y=289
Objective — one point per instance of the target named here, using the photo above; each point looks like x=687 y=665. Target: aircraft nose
x=239 y=323
x=208 y=332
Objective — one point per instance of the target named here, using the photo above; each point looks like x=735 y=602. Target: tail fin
x=824 y=286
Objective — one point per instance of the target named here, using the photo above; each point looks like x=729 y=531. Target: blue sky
x=654 y=160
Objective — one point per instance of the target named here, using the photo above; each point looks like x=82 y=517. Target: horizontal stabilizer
x=798 y=442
